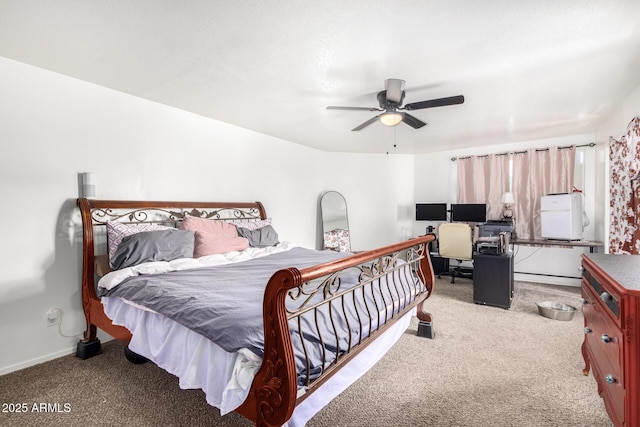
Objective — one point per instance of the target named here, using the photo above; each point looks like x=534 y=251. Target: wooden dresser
x=611 y=347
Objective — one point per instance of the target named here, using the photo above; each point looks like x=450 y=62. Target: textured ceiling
x=527 y=69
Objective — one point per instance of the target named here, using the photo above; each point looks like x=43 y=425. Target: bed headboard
x=96 y=213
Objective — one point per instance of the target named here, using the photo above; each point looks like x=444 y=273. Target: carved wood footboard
x=342 y=306
x=402 y=286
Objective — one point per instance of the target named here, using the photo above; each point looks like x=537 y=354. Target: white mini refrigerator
x=561 y=216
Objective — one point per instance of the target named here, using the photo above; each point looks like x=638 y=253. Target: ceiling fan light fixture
x=391 y=118
x=390 y=101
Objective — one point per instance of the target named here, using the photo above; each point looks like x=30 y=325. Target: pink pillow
x=213 y=237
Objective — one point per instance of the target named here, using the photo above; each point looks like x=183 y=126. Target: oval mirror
x=335 y=222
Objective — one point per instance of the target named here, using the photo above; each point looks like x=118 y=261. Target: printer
x=495 y=227
x=494 y=237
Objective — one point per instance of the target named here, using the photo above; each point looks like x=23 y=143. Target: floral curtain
x=624 y=176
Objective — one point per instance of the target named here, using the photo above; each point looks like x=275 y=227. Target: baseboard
x=47 y=357
x=38 y=360
x=546 y=279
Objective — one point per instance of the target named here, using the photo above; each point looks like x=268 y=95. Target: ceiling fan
x=390 y=101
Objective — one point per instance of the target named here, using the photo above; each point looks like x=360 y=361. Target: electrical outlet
x=52 y=318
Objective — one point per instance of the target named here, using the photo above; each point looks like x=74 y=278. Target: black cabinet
x=493 y=280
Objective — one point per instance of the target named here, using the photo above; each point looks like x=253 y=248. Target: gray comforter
x=224 y=304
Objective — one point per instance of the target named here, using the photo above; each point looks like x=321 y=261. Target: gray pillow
x=260 y=238
x=160 y=245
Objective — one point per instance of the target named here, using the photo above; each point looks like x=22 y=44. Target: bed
x=266 y=328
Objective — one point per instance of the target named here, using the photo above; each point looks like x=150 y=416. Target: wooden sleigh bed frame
x=273 y=394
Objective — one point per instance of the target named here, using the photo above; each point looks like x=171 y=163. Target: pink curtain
x=536 y=173
x=483 y=179
x=470 y=179
x=624 y=175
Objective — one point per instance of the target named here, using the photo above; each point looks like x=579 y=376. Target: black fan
x=390 y=101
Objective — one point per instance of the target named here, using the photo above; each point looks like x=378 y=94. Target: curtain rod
x=591 y=144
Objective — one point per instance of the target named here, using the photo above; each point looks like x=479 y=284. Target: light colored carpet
x=486 y=367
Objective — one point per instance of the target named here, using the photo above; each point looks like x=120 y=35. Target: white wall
x=616 y=123
x=53 y=127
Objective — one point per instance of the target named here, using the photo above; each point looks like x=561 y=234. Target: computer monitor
x=431 y=212
x=469 y=212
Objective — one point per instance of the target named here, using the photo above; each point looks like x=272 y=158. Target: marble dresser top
x=624 y=269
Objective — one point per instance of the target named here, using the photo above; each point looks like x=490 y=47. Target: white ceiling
x=528 y=69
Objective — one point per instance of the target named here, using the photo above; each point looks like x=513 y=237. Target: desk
x=591 y=244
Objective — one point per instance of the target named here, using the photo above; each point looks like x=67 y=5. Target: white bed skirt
x=226 y=377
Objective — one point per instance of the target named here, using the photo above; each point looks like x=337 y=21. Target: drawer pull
x=587 y=330
x=605 y=338
x=609 y=378
x=605 y=296
x=583 y=301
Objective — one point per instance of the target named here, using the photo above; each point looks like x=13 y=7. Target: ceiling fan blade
x=440 y=102
x=412 y=121
x=333 y=107
x=365 y=124
x=394 y=88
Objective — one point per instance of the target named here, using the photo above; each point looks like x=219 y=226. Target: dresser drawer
x=610 y=387
x=602 y=334
x=609 y=299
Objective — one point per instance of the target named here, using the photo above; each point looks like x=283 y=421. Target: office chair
x=455 y=242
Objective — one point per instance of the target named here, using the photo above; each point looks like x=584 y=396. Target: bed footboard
x=387 y=289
